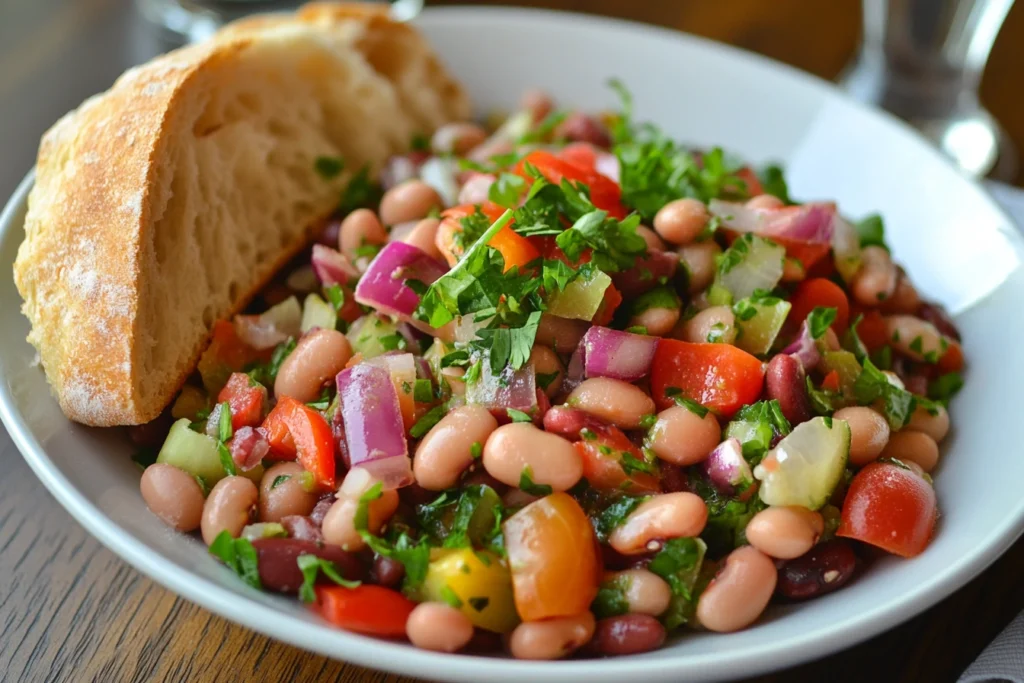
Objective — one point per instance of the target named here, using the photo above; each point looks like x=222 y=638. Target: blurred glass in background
x=923 y=60
x=195 y=20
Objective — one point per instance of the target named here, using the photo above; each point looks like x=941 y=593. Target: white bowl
x=957 y=244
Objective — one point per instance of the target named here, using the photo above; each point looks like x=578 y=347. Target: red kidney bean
x=329 y=235
x=386 y=571
x=784 y=381
x=579 y=127
x=321 y=508
x=302 y=528
x=627 y=634
x=151 y=434
x=565 y=421
x=823 y=569
x=937 y=316
x=484 y=642
x=279 y=570
x=673 y=478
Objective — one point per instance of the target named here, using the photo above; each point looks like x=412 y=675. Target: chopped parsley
x=773 y=181
x=360 y=192
x=819 y=320
x=427 y=421
x=311 y=566
x=527 y=485
x=611 y=600
x=414 y=556
x=518 y=415
x=239 y=555
x=266 y=373
x=871 y=230
x=329 y=168
x=335 y=295
x=873 y=385
x=676 y=394
x=280 y=479
x=945 y=387
x=506 y=190
x=679 y=562
x=450 y=596
x=615 y=514
x=423 y=391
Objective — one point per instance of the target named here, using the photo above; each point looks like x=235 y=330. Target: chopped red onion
x=726 y=468
x=321 y=508
x=302 y=528
x=516 y=389
x=617 y=354
x=383 y=286
x=476 y=188
x=648 y=272
x=439 y=173
x=248 y=447
x=331 y=266
x=804 y=349
x=273 y=326
x=397 y=170
x=374 y=431
x=812 y=223
x=575 y=372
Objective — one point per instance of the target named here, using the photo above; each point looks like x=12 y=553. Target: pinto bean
x=551 y=460
x=551 y=638
x=714 y=324
x=561 y=334
x=318 y=357
x=361 y=227
x=645 y=591
x=915 y=338
x=439 y=627
x=408 y=201
x=681 y=221
x=869 y=433
x=935 y=425
x=620 y=403
x=911 y=446
x=699 y=260
x=682 y=437
x=546 y=362
x=457 y=138
x=664 y=516
x=228 y=507
x=877 y=278
x=173 y=495
x=740 y=591
x=447 y=449
x=785 y=532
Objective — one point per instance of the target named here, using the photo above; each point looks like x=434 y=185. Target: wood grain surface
x=72 y=611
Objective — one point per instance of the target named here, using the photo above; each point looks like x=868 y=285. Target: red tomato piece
x=296 y=431
x=603 y=451
x=831 y=381
x=953 y=359
x=872 y=330
x=368 y=609
x=582 y=154
x=720 y=376
x=816 y=292
x=891 y=507
x=246 y=399
x=747 y=175
x=604 y=192
x=612 y=300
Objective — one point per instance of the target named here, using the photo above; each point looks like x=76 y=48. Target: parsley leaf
x=329 y=168
x=311 y=566
x=518 y=415
x=226 y=460
x=872 y=384
x=773 y=181
x=611 y=600
x=239 y=555
x=506 y=190
x=527 y=485
x=266 y=374
x=676 y=394
x=224 y=430
x=872 y=231
x=280 y=479
x=427 y=421
x=757 y=426
x=414 y=556
x=423 y=391
x=615 y=514
x=819 y=320
x=359 y=192
x=945 y=387
x=679 y=562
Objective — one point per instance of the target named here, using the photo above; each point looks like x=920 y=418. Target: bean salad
x=556 y=385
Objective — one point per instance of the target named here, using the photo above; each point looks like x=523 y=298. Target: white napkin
x=1003 y=660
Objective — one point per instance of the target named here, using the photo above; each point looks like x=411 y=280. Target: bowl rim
x=401 y=658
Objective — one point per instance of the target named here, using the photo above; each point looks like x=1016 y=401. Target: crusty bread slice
x=167 y=202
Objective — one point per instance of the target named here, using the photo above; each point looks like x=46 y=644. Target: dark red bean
x=414 y=495
x=936 y=315
x=784 y=381
x=386 y=571
x=151 y=434
x=627 y=634
x=565 y=421
x=647 y=273
x=580 y=127
x=321 y=508
x=673 y=478
x=279 y=570
x=484 y=642
x=821 y=570
x=478 y=475
x=916 y=384
x=302 y=528
x=329 y=235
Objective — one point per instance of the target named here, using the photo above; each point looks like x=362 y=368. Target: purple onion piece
x=383 y=285
x=726 y=468
x=516 y=389
x=617 y=354
x=302 y=528
x=248 y=447
x=374 y=432
x=331 y=266
x=804 y=349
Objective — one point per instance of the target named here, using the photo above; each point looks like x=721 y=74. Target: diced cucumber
x=757 y=333
x=806 y=466
x=581 y=298
x=845 y=365
x=318 y=313
x=751 y=263
x=193 y=452
x=370 y=335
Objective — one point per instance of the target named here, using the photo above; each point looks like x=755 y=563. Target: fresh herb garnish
x=450 y=596
x=615 y=514
x=311 y=566
x=773 y=181
x=359 y=192
x=239 y=555
x=679 y=562
x=527 y=485
x=518 y=415
x=676 y=394
x=329 y=168
x=423 y=391
x=224 y=430
x=945 y=387
x=427 y=421
x=506 y=190
x=280 y=479
x=335 y=295
x=871 y=230
x=414 y=556
x=872 y=385
x=819 y=320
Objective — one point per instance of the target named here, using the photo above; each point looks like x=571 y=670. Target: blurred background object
x=55 y=53
x=923 y=60
x=195 y=20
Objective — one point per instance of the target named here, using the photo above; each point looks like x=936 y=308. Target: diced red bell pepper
x=872 y=330
x=603 y=450
x=612 y=300
x=720 y=376
x=515 y=249
x=246 y=399
x=816 y=292
x=368 y=609
x=747 y=175
x=831 y=381
x=604 y=192
x=296 y=431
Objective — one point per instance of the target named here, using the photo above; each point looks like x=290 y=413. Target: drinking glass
x=922 y=60
x=196 y=20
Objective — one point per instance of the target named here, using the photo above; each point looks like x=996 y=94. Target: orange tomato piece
x=553 y=557
x=515 y=249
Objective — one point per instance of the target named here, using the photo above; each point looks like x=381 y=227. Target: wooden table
x=72 y=611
